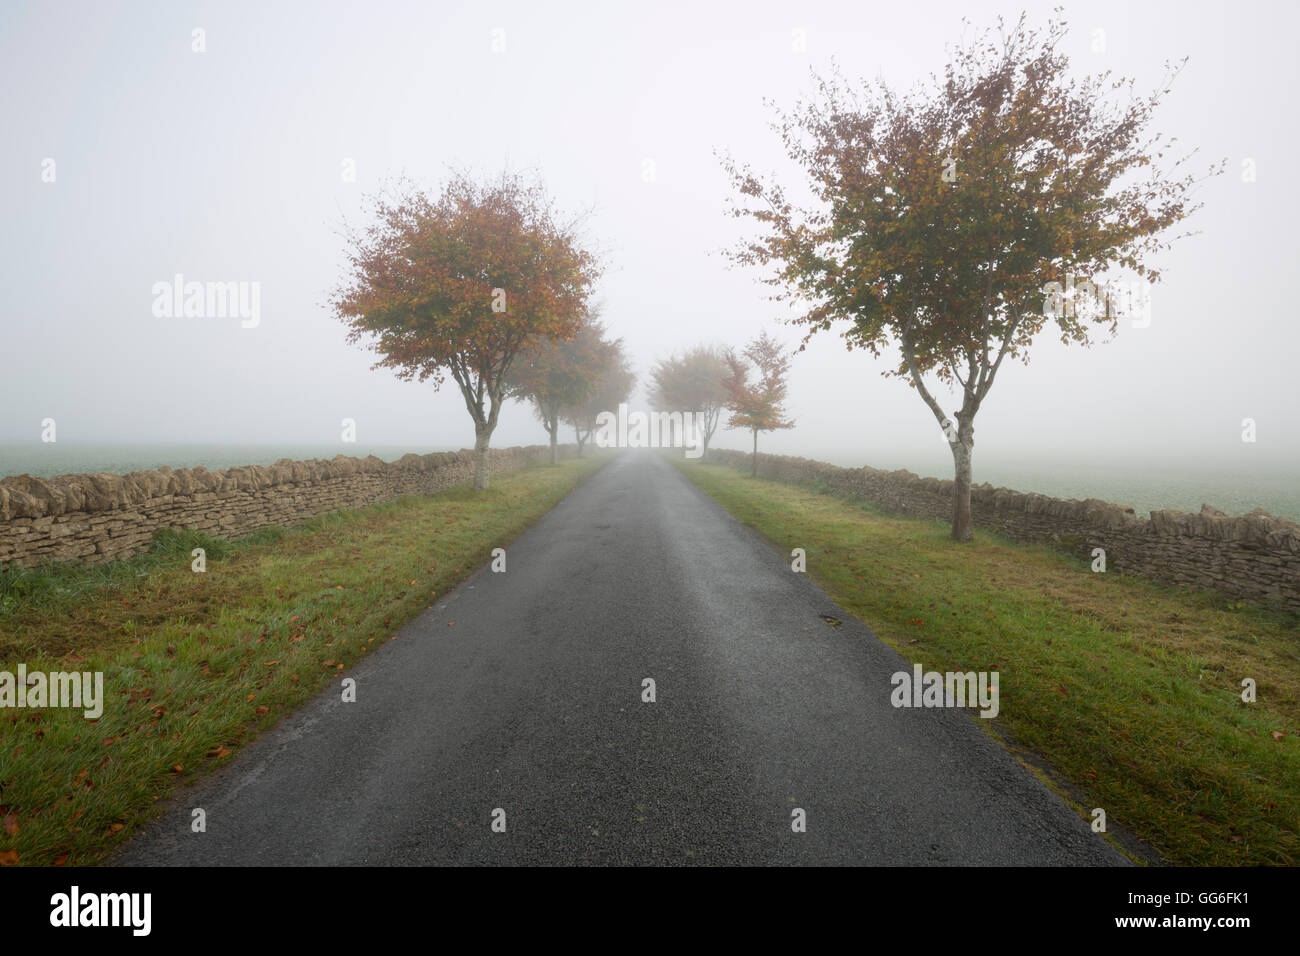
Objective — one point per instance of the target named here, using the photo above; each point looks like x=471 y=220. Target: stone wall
x=1254 y=556
x=104 y=516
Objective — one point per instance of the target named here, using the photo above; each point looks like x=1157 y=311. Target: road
x=531 y=704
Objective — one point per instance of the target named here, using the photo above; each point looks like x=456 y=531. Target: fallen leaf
x=261 y=710
x=177 y=768
x=61 y=859
x=8 y=857
x=11 y=824
x=1278 y=735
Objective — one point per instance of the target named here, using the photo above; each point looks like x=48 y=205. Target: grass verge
x=195 y=665
x=1130 y=691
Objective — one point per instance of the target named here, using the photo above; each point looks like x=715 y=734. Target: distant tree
x=941 y=215
x=695 y=383
x=559 y=376
x=613 y=386
x=462 y=283
x=757 y=404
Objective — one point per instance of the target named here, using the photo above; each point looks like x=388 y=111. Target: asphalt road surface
x=532 y=704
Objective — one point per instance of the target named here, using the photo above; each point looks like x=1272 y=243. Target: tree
x=462 y=283
x=757 y=405
x=940 y=215
x=613 y=385
x=694 y=383
x=558 y=376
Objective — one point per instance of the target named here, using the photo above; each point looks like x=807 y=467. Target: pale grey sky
x=226 y=165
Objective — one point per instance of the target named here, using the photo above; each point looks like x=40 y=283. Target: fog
x=230 y=165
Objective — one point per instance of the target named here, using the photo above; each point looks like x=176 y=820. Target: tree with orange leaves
x=558 y=378
x=757 y=404
x=462 y=283
x=944 y=215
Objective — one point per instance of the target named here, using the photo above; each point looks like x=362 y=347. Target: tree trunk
x=482 y=435
x=979 y=377
x=710 y=426
x=554 y=450
x=753 y=471
x=962 y=525
x=580 y=438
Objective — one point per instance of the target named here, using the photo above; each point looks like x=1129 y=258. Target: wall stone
x=1254 y=556
x=102 y=517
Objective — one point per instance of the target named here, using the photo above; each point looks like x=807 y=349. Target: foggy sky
x=226 y=166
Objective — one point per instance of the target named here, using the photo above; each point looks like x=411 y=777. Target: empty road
x=531 y=704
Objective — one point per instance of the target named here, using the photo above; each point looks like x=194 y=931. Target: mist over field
x=232 y=165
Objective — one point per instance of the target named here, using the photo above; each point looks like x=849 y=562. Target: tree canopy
x=613 y=386
x=560 y=377
x=758 y=404
x=939 y=215
x=693 y=382
x=460 y=283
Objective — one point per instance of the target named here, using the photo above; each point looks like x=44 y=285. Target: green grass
x=197 y=664
x=1130 y=691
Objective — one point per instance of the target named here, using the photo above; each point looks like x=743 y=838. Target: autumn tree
x=939 y=217
x=613 y=385
x=695 y=383
x=558 y=377
x=757 y=403
x=460 y=283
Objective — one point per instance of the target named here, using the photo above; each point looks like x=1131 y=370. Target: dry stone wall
x=101 y=517
x=1255 y=556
